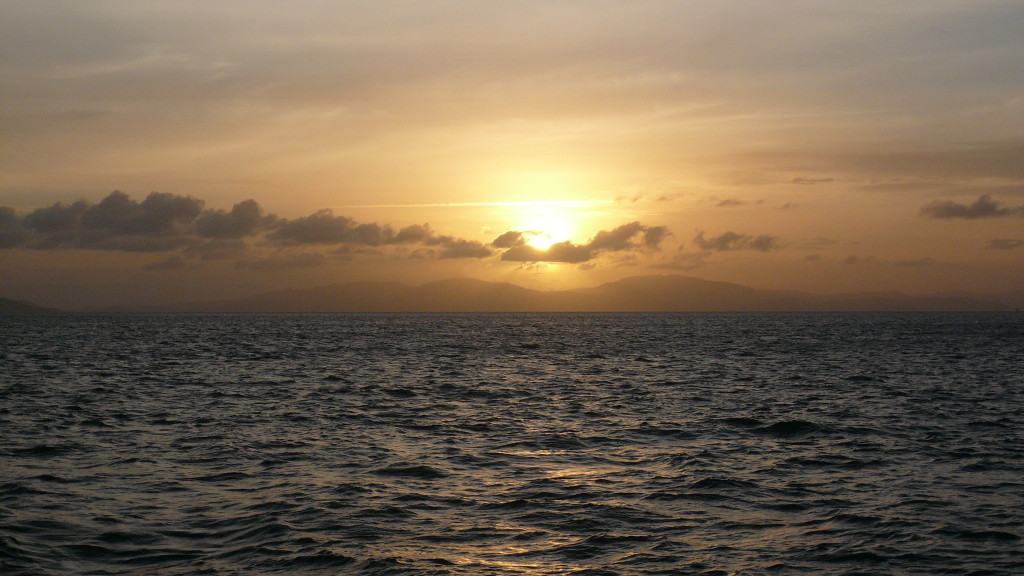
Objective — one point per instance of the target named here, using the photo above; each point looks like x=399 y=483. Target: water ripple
x=537 y=444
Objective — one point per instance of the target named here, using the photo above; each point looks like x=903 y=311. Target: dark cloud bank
x=165 y=222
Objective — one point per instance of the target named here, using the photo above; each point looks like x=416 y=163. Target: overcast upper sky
x=817 y=145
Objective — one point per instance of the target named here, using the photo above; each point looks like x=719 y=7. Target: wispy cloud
x=729 y=203
x=810 y=181
x=1005 y=243
x=728 y=241
x=983 y=207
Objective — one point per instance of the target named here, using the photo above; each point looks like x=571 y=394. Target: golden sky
x=817 y=145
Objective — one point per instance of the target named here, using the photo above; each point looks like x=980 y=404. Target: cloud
x=1005 y=244
x=815 y=243
x=509 y=239
x=160 y=222
x=616 y=239
x=245 y=219
x=165 y=222
x=323 y=227
x=810 y=181
x=565 y=252
x=981 y=161
x=57 y=218
x=13 y=232
x=854 y=259
x=458 y=248
x=730 y=203
x=764 y=243
x=729 y=241
x=413 y=233
x=631 y=236
x=654 y=235
x=160 y=214
x=983 y=207
x=134 y=243
x=985 y=160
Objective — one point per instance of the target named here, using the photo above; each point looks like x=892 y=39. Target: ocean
x=527 y=444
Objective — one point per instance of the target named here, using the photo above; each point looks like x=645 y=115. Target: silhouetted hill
x=8 y=306
x=686 y=293
x=455 y=295
x=350 y=297
x=1009 y=300
x=635 y=294
x=462 y=294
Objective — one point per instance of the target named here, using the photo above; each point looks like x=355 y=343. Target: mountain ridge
x=652 y=293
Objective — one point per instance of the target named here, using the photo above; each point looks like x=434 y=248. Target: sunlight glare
x=543 y=230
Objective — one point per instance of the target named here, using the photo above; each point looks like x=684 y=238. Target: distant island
x=659 y=293
x=8 y=306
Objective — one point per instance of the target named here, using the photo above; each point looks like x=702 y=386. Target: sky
x=158 y=152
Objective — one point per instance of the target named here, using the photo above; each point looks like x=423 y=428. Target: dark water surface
x=512 y=444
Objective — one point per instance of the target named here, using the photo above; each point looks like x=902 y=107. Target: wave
x=440 y=445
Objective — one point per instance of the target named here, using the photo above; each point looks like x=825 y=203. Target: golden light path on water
x=511 y=558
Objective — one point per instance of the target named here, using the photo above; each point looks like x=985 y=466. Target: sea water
x=532 y=444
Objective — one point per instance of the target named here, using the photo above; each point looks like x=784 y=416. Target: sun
x=543 y=230
x=540 y=224
x=538 y=239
